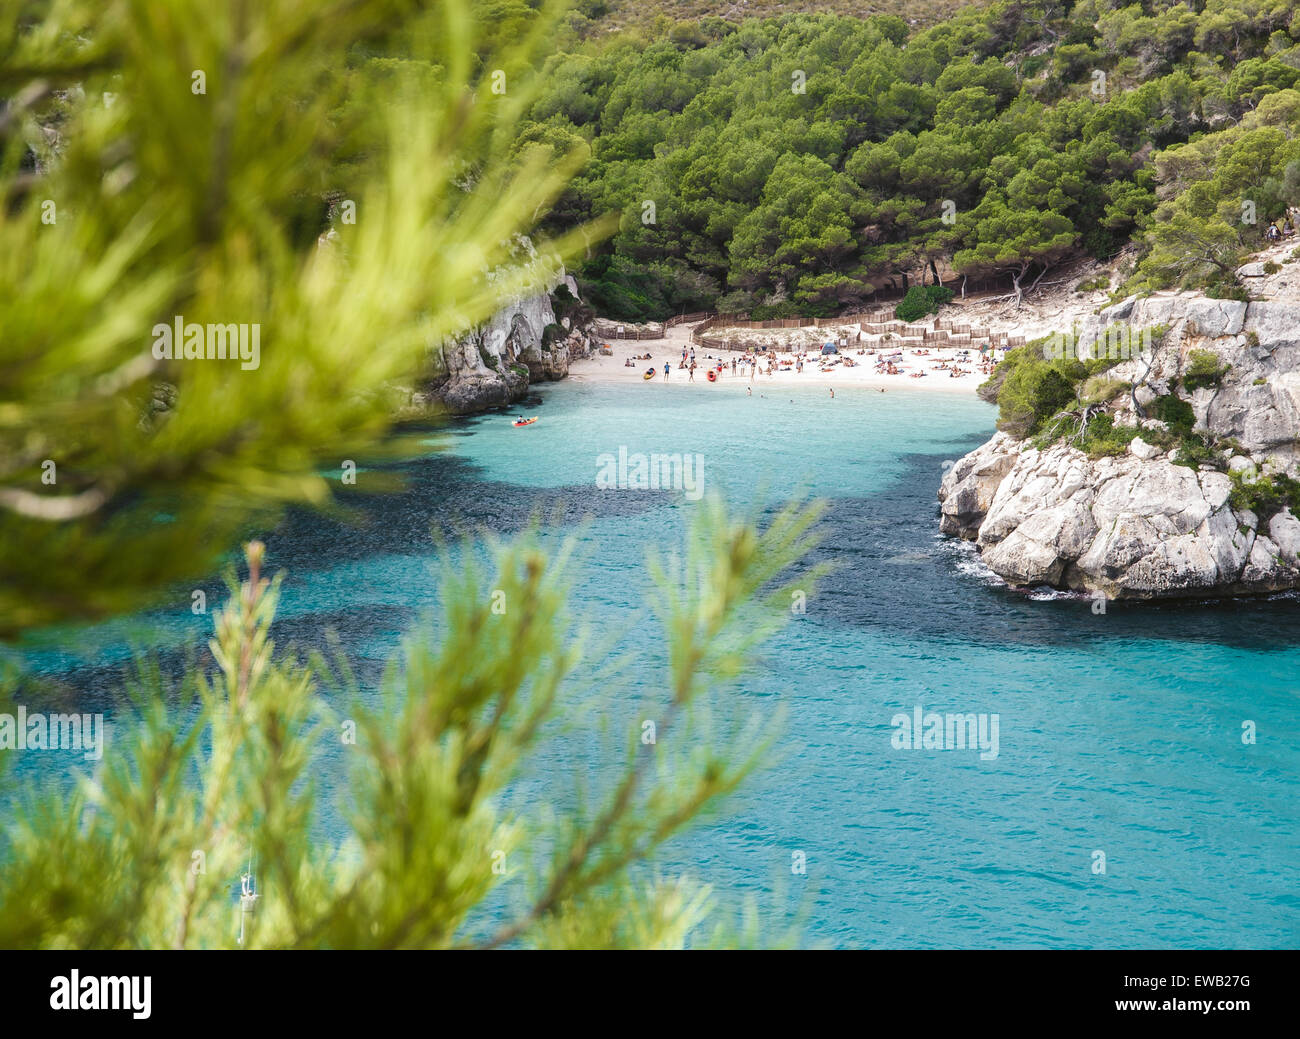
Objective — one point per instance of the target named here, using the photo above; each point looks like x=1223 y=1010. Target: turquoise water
x=1118 y=733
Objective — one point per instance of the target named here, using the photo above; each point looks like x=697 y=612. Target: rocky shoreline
x=1145 y=524
x=492 y=366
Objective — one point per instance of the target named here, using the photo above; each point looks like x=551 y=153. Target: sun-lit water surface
x=1119 y=733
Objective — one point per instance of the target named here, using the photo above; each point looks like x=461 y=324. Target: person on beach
x=667 y=366
x=691 y=376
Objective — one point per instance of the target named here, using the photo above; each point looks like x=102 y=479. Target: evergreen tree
x=172 y=163
x=167 y=167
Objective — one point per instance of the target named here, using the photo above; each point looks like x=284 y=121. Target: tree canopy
x=807 y=161
x=150 y=184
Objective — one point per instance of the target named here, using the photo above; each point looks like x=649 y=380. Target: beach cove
x=613 y=368
x=1119 y=733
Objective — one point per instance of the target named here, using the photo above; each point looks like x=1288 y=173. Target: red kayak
x=524 y=421
x=713 y=376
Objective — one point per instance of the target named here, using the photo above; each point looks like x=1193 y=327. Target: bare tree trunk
x=1142 y=379
x=1039 y=278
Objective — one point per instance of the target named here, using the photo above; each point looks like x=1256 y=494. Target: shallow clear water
x=1118 y=733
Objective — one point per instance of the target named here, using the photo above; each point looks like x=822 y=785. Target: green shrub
x=1102 y=281
x=1261 y=381
x=1174 y=412
x=922 y=300
x=938 y=295
x=1028 y=388
x=1103 y=437
x=915 y=305
x=1226 y=289
x=1195 y=451
x=1204 y=369
x=1265 y=496
x=1117 y=342
x=1272 y=268
x=1098 y=389
x=789 y=308
x=774 y=311
x=1033 y=65
x=1031 y=394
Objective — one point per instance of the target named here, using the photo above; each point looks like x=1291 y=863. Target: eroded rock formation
x=1139 y=525
x=494 y=364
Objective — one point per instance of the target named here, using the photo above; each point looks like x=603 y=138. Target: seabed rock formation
x=1139 y=525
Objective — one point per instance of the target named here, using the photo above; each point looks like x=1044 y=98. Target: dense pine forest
x=801 y=164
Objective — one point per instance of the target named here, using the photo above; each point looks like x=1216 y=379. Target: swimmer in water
x=832 y=394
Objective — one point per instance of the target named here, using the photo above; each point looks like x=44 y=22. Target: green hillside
x=800 y=164
x=603 y=16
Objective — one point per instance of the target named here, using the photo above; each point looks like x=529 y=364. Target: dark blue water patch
x=444 y=498
x=1126 y=737
x=89 y=690
x=894 y=573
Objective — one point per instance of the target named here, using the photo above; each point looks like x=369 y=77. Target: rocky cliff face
x=1139 y=525
x=493 y=365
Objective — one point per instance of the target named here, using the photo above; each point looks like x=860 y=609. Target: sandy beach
x=863 y=375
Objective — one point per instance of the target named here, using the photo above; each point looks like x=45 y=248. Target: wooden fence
x=634 y=333
x=877 y=316
x=672 y=322
x=880 y=321
x=686 y=319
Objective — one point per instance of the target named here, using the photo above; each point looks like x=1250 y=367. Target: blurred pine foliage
x=147 y=853
x=170 y=201
x=130 y=199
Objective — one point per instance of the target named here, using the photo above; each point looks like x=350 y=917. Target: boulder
x=1139 y=448
x=1284 y=531
x=967 y=487
x=1138 y=524
x=493 y=365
